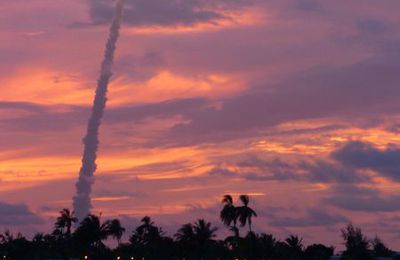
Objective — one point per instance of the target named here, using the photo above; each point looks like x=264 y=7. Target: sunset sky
x=294 y=102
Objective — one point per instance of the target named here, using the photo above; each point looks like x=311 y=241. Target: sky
x=294 y=102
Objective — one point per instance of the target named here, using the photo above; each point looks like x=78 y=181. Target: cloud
x=370 y=25
x=136 y=68
x=309 y=5
x=314 y=171
x=220 y=171
x=265 y=170
x=165 y=13
x=17 y=215
x=361 y=155
x=355 y=198
x=365 y=89
x=366 y=204
x=314 y=217
x=103 y=192
x=309 y=60
x=42 y=118
x=322 y=171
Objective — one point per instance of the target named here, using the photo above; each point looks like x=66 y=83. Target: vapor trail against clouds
x=82 y=201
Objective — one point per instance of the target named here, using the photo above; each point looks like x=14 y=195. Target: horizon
x=293 y=103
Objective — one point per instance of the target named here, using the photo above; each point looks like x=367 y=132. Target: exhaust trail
x=81 y=200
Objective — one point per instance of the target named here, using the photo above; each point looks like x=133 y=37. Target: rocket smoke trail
x=81 y=201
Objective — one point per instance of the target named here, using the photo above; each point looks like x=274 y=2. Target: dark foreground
x=192 y=241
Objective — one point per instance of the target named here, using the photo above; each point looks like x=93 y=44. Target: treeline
x=192 y=241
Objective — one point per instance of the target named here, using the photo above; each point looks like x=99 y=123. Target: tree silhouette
x=228 y=213
x=149 y=241
x=267 y=244
x=295 y=246
x=282 y=251
x=244 y=213
x=357 y=244
x=17 y=247
x=234 y=241
x=380 y=249
x=115 y=229
x=318 y=252
x=186 y=241
x=185 y=233
x=203 y=231
x=65 y=221
x=193 y=241
x=196 y=239
x=91 y=233
x=146 y=233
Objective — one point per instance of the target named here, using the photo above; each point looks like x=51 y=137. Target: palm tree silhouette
x=234 y=240
x=295 y=246
x=185 y=233
x=148 y=241
x=198 y=233
x=244 y=213
x=195 y=241
x=115 y=230
x=65 y=221
x=93 y=232
x=228 y=212
x=203 y=232
x=294 y=242
x=186 y=242
x=147 y=233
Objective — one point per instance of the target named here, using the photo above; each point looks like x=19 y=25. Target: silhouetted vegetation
x=192 y=241
x=357 y=244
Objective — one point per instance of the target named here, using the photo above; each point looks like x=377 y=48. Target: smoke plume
x=82 y=201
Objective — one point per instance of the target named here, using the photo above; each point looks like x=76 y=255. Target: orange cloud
x=46 y=168
x=232 y=19
x=45 y=86
x=48 y=87
x=166 y=85
x=309 y=137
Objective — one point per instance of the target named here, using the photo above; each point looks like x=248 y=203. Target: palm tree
x=186 y=242
x=115 y=230
x=234 y=240
x=295 y=246
x=147 y=233
x=228 y=212
x=195 y=241
x=65 y=221
x=245 y=213
x=185 y=233
x=267 y=243
x=149 y=241
x=294 y=242
x=203 y=232
x=199 y=233
x=93 y=232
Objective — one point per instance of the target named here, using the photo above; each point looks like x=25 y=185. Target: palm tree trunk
x=68 y=230
x=250 y=225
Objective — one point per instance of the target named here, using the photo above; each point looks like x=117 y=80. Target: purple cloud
x=17 y=215
x=314 y=217
x=160 y=12
x=362 y=155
